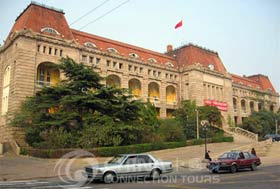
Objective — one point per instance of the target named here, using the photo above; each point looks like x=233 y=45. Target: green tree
x=80 y=106
x=212 y=114
x=262 y=122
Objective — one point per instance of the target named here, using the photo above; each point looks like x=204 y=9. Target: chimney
x=169 y=48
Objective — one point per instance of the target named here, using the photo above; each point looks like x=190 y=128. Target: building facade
x=41 y=36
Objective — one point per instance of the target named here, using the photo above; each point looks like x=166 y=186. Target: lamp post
x=204 y=124
x=276 y=126
x=197 y=124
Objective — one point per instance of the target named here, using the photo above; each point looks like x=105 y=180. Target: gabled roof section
x=241 y=80
x=37 y=16
x=263 y=81
x=191 y=54
x=259 y=82
x=122 y=48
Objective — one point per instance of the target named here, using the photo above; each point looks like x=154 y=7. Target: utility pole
x=276 y=126
x=197 y=124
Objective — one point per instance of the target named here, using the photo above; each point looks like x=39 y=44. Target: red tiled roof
x=36 y=17
x=263 y=81
x=255 y=81
x=245 y=81
x=191 y=54
x=123 y=48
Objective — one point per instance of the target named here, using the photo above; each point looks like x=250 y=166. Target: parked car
x=129 y=165
x=274 y=137
x=233 y=161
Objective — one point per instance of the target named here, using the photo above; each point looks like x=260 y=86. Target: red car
x=233 y=161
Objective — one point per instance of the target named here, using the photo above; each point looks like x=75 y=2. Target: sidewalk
x=23 y=167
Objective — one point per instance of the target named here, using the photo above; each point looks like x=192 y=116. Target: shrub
x=171 y=130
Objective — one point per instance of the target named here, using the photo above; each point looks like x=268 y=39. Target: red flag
x=179 y=24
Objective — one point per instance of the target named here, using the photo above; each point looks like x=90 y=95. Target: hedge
x=114 y=150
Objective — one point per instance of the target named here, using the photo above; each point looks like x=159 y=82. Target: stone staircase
x=249 y=140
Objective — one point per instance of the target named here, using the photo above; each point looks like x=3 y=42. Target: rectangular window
x=84 y=58
x=129 y=67
x=154 y=73
x=98 y=60
x=120 y=65
x=50 y=50
x=166 y=76
x=171 y=76
x=114 y=64
x=44 y=49
x=91 y=59
x=159 y=73
x=141 y=70
x=135 y=68
x=38 y=48
x=60 y=53
x=108 y=62
x=175 y=77
x=149 y=72
x=55 y=51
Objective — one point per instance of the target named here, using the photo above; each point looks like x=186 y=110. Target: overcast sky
x=245 y=33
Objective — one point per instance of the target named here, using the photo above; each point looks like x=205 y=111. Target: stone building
x=41 y=36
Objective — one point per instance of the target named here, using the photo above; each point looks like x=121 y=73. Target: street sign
x=203 y=123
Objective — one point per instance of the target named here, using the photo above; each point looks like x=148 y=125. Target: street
x=264 y=177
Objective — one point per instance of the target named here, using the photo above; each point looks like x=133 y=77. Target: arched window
x=113 y=81
x=260 y=106
x=234 y=105
x=135 y=87
x=271 y=108
x=252 y=106
x=153 y=91
x=169 y=64
x=152 y=60
x=243 y=106
x=47 y=74
x=50 y=30
x=112 y=50
x=90 y=44
x=6 y=90
x=170 y=95
x=133 y=55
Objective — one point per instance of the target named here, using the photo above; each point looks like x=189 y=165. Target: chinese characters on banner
x=223 y=106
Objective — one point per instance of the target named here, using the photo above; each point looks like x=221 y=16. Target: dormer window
x=269 y=90
x=134 y=55
x=240 y=83
x=112 y=50
x=211 y=66
x=90 y=44
x=169 y=64
x=50 y=30
x=152 y=60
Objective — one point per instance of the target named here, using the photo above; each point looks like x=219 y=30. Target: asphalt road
x=264 y=177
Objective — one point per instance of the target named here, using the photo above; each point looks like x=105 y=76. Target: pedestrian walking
x=253 y=151
x=207 y=155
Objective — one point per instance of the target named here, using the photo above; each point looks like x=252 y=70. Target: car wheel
x=155 y=174
x=233 y=168
x=109 y=178
x=253 y=167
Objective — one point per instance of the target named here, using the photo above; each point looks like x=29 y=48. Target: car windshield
x=228 y=155
x=116 y=160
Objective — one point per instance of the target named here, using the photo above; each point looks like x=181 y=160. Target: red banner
x=223 y=106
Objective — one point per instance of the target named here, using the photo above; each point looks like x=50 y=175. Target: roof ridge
x=123 y=44
x=245 y=78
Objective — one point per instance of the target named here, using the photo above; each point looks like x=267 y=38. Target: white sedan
x=127 y=166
